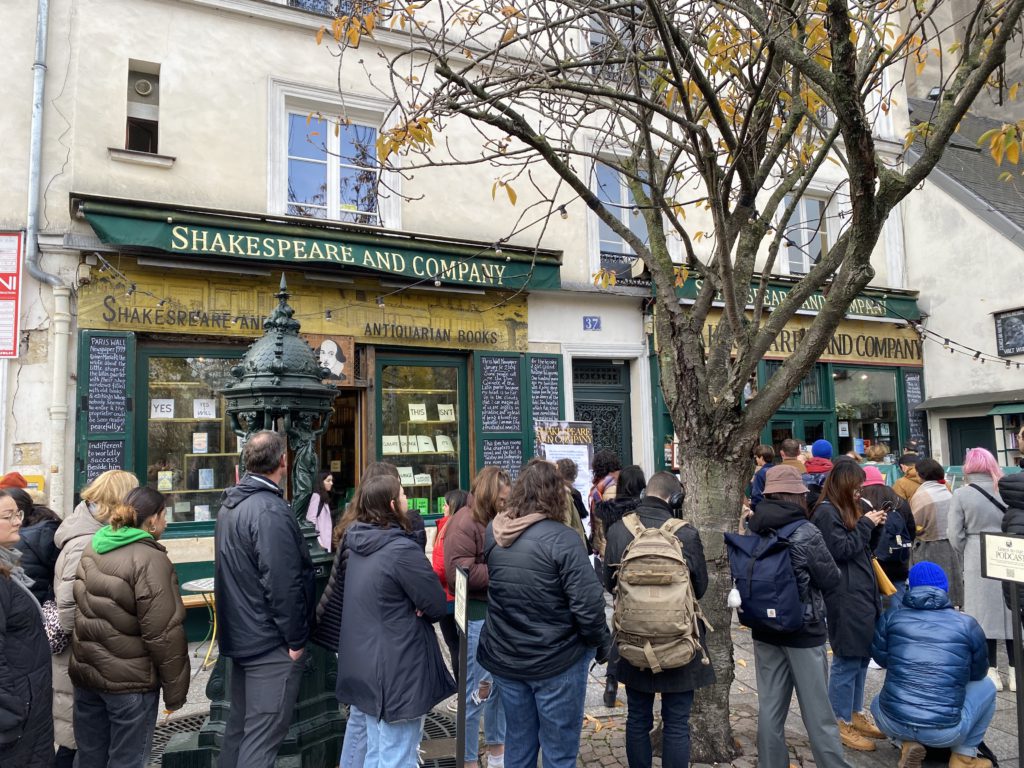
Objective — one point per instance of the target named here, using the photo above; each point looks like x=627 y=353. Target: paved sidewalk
x=603 y=731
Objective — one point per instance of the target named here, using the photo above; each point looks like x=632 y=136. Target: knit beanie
x=873 y=476
x=927 y=574
x=821 y=449
x=13 y=480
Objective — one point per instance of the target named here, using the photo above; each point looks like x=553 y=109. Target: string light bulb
x=977 y=355
x=636 y=211
x=380 y=302
x=563 y=213
x=437 y=282
x=945 y=344
x=327 y=314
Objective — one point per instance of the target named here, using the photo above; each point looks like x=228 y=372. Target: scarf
x=12 y=559
x=930 y=505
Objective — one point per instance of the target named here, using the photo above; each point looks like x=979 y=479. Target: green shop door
x=600 y=391
x=805 y=429
x=964 y=434
x=423 y=426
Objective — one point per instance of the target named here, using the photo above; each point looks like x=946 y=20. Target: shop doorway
x=964 y=434
x=600 y=391
x=805 y=429
x=341 y=448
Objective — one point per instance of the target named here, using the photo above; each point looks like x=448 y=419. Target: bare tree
x=724 y=112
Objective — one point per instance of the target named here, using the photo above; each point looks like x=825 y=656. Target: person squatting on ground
x=264 y=596
x=675 y=685
x=977 y=509
x=327 y=627
x=390 y=668
x=936 y=691
x=787 y=660
x=26 y=720
x=129 y=641
x=545 y=620
x=853 y=607
x=99 y=499
x=464 y=548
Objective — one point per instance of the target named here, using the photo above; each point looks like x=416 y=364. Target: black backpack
x=897 y=539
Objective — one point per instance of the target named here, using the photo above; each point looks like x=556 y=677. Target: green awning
x=203 y=235
x=1006 y=410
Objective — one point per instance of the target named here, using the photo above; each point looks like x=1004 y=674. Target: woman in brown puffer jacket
x=129 y=640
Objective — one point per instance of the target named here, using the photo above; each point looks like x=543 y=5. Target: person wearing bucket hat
x=787 y=660
x=937 y=692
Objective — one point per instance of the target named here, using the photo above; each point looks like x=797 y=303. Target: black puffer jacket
x=546 y=603
x=389 y=661
x=1011 y=489
x=854 y=605
x=653 y=513
x=264 y=576
x=26 y=690
x=327 y=625
x=815 y=570
x=39 y=557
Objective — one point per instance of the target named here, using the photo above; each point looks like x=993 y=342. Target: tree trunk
x=714 y=496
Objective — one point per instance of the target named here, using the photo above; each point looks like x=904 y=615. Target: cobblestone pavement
x=603 y=730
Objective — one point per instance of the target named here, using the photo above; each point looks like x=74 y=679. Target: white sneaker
x=1012 y=677
x=993 y=675
x=872 y=664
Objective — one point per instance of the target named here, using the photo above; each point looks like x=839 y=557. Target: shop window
x=420 y=417
x=613 y=191
x=332 y=168
x=806 y=235
x=192 y=454
x=143 y=110
x=865 y=408
x=808 y=394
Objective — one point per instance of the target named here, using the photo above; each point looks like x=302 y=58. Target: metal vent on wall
x=596 y=375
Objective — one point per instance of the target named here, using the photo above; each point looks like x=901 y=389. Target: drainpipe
x=61 y=293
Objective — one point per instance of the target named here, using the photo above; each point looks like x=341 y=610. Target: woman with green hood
x=129 y=640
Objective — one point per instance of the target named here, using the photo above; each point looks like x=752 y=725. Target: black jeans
x=114 y=729
x=675 y=716
x=450 y=633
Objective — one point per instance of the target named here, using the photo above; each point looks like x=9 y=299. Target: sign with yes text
x=10 y=292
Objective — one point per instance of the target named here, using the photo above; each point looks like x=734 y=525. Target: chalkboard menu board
x=101 y=455
x=544 y=388
x=108 y=384
x=912 y=385
x=499 y=394
x=507 y=454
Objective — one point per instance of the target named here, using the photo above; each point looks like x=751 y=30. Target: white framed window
x=323 y=157
x=805 y=234
x=612 y=190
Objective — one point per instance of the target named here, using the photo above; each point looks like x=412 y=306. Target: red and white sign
x=10 y=292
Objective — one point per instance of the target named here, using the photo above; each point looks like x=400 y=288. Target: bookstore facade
x=425 y=340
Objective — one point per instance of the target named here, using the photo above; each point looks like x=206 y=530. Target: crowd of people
x=93 y=636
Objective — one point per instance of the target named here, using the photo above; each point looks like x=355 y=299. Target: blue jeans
x=491 y=710
x=979 y=707
x=846 y=686
x=353 y=748
x=393 y=745
x=545 y=715
x=675 y=715
x=114 y=728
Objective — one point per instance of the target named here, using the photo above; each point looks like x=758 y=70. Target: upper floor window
x=332 y=169
x=806 y=235
x=614 y=192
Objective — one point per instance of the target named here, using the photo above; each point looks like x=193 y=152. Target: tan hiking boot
x=852 y=739
x=911 y=755
x=957 y=760
x=865 y=725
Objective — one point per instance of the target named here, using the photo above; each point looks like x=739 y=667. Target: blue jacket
x=389 y=662
x=930 y=652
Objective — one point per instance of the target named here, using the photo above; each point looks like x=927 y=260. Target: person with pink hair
x=977 y=508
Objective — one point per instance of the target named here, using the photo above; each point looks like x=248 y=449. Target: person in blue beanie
x=936 y=691
x=816 y=470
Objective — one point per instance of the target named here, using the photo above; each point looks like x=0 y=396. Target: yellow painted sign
x=150 y=300
x=855 y=341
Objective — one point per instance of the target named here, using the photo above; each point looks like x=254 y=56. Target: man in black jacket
x=264 y=589
x=676 y=686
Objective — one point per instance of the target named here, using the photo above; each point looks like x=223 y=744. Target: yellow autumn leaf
x=509 y=35
x=320 y=35
x=1013 y=91
x=511 y=194
x=741 y=662
x=1013 y=151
